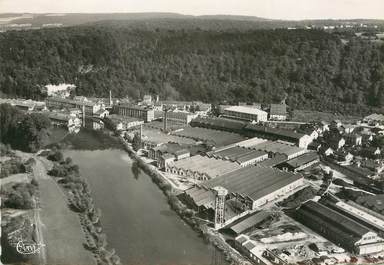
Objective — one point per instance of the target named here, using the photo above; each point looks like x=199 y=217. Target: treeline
x=312 y=68
x=26 y=132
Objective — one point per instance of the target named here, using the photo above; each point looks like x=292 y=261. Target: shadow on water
x=136 y=170
x=86 y=139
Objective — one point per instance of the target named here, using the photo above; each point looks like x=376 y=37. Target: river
x=136 y=217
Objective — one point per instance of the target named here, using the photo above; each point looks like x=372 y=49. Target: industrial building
x=122 y=123
x=271 y=147
x=90 y=108
x=299 y=139
x=201 y=167
x=178 y=118
x=245 y=113
x=301 y=162
x=249 y=248
x=255 y=186
x=340 y=229
x=144 y=113
x=249 y=222
x=360 y=214
x=278 y=112
x=241 y=155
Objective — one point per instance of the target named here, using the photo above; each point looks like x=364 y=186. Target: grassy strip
x=80 y=201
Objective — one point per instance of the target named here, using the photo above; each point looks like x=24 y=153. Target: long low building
x=340 y=229
x=299 y=139
x=242 y=156
x=255 y=186
x=245 y=113
x=301 y=162
x=272 y=147
x=201 y=167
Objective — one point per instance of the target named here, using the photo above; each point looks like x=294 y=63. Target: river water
x=136 y=217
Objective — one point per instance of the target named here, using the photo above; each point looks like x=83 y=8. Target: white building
x=245 y=113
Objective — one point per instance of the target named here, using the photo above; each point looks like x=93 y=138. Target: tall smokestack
x=110 y=98
x=165 y=120
x=83 y=110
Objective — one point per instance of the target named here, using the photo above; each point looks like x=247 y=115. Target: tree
x=136 y=142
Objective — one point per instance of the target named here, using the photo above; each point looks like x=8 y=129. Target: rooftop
x=247 y=110
x=204 y=165
x=277 y=147
x=249 y=222
x=239 y=154
x=253 y=181
x=334 y=218
x=303 y=159
x=274 y=131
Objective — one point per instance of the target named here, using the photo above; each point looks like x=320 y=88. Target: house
x=336 y=142
x=101 y=113
x=335 y=124
x=343 y=156
x=348 y=128
x=353 y=139
x=165 y=159
x=324 y=126
x=278 y=112
x=328 y=151
x=374 y=119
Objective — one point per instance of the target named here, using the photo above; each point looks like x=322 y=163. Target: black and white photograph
x=192 y=132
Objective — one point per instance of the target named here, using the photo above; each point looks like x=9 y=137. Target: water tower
x=221 y=193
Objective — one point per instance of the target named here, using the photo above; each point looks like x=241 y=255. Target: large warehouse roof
x=247 y=110
x=239 y=154
x=254 y=182
x=277 y=147
x=334 y=218
x=303 y=159
x=202 y=164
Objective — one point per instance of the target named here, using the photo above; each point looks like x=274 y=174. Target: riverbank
x=208 y=233
x=77 y=194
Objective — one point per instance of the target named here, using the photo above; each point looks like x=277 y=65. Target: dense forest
x=312 y=69
x=26 y=132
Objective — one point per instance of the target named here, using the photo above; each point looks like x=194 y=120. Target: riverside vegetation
x=80 y=201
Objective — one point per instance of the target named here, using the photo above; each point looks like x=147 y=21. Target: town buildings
x=90 y=108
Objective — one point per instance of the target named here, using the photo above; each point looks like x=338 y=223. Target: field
x=218 y=138
x=308 y=115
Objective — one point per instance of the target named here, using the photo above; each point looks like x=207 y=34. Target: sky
x=276 y=9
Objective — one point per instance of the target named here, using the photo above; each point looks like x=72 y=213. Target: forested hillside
x=313 y=68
